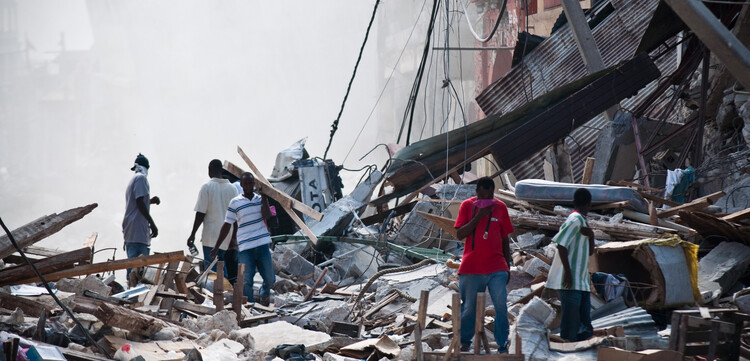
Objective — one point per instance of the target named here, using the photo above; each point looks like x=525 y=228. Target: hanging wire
x=494 y=28
x=335 y=125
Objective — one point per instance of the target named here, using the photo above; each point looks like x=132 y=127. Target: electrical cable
x=386 y=83
x=49 y=290
x=335 y=125
x=409 y=111
x=494 y=28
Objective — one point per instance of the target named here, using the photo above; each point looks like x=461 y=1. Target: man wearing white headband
x=137 y=226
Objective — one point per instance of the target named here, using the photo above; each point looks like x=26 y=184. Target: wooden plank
x=698 y=203
x=588 y=169
x=623 y=183
x=612 y=205
x=55 y=263
x=284 y=199
x=136 y=322
x=424 y=296
x=737 y=216
x=42 y=228
x=219 y=287
x=169 y=277
x=723 y=44
x=315 y=285
x=444 y=223
x=455 y=347
x=87 y=269
x=657 y=199
x=179 y=282
x=380 y=217
x=28 y=306
x=91 y=240
x=295 y=218
x=189 y=306
x=239 y=285
x=479 y=337
x=510 y=197
x=380 y=305
x=110 y=299
x=249 y=321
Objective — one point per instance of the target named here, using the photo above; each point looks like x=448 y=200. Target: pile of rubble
x=372 y=291
x=357 y=280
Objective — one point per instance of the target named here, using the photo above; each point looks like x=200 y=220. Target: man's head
x=141 y=160
x=582 y=200
x=485 y=188
x=215 y=168
x=247 y=181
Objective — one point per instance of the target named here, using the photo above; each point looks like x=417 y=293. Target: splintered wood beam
x=46 y=265
x=737 y=216
x=712 y=33
x=698 y=203
x=304 y=208
x=656 y=199
x=28 y=306
x=283 y=201
x=588 y=170
x=87 y=269
x=42 y=228
x=444 y=223
x=136 y=322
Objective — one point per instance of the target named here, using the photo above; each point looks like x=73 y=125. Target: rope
x=335 y=125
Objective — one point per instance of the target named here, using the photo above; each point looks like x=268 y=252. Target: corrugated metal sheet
x=557 y=62
x=635 y=321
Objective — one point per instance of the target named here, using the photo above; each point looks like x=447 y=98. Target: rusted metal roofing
x=557 y=61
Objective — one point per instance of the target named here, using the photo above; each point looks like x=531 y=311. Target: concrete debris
x=355 y=293
x=354 y=261
x=77 y=286
x=531 y=327
x=290 y=262
x=270 y=335
x=721 y=268
x=527 y=240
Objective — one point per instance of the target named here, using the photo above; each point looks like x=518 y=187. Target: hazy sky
x=184 y=82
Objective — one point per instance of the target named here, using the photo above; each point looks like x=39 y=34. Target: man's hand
x=588 y=232
x=191 y=240
x=484 y=211
x=154 y=230
x=155 y=200
x=567 y=280
x=214 y=252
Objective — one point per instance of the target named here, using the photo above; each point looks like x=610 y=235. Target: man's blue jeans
x=469 y=286
x=576 y=315
x=134 y=250
x=229 y=257
x=259 y=257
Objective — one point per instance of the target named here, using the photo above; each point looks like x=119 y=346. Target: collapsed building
x=658 y=132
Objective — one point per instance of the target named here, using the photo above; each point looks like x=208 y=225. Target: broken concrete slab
x=287 y=260
x=535 y=267
x=416 y=226
x=527 y=240
x=531 y=327
x=358 y=263
x=77 y=286
x=225 y=320
x=721 y=268
x=270 y=335
x=338 y=216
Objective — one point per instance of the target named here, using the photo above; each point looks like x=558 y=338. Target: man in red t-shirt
x=483 y=222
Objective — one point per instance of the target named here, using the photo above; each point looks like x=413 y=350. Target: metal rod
x=452 y=48
x=698 y=154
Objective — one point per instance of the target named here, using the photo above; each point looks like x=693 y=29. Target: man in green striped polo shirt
x=569 y=273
